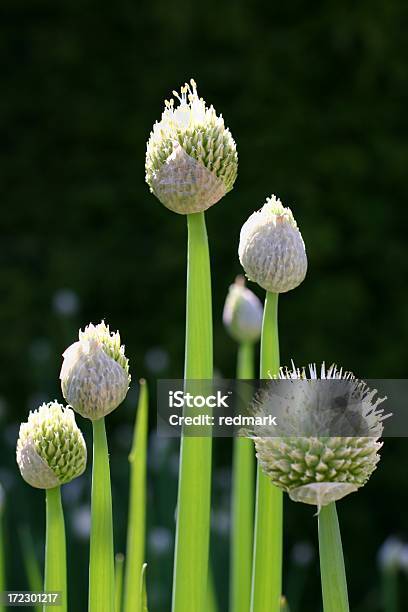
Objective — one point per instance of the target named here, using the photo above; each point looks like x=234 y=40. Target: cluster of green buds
x=318 y=469
x=95 y=372
x=243 y=312
x=51 y=450
x=191 y=157
x=271 y=248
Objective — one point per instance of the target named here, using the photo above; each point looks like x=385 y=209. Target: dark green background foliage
x=315 y=96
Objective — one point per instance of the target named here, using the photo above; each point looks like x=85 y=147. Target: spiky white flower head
x=319 y=469
x=51 y=450
x=243 y=312
x=271 y=248
x=95 y=372
x=191 y=157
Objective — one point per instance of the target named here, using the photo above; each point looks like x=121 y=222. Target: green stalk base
x=267 y=563
x=242 y=502
x=333 y=575
x=55 y=549
x=135 y=549
x=101 y=564
x=194 y=492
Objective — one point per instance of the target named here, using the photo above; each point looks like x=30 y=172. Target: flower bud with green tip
x=95 y=372
x=191 y=157
x=51 y=450
x=243 y=313
x=271 y=248
x=318 y=470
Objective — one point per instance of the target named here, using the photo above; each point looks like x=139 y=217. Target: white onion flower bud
x=95 y=372
x=271 y=248
x=243 y=313
x=320 y=469
x=191 y=157
x=51 y=450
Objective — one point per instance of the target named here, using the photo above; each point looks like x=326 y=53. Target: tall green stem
x=194 y=492
x=242 y=505
x=135 y=549
x=55 y=549
x=390 y=589
x=101 y=565
x=333 y=575
x=267 y=564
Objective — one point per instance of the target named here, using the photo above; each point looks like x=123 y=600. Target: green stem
x=101 y=565
x=333 y=575
x=135 y=549
x=119 y=563
x=55 y=549
x=242 y=506
x=194 y=491
x=267 y=564
x=390 y=589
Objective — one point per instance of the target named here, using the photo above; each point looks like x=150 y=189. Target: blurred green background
x=315 y=96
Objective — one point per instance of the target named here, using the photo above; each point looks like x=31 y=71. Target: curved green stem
x=333 y=575
x=194 y=491
x=267 y=564
x=242 y=502
x=135 y=549
x=55 y=549
x=101 y=564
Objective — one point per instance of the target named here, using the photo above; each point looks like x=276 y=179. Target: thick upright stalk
x=194 y=492
x=333 y=575
x=267 y=565
x=55 y=549
x=101 y=566
x=135 y=549
x=242 y=502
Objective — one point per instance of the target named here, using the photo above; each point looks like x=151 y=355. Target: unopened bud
x=51 y=450
x=95 y=372
x=243 y=313
x=271 y=248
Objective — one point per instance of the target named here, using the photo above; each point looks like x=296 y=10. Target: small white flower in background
x=65 y=302
x=404 y=558
x=51 y=450
x=81 y=521
x=389 y=554
x=243 y=313
x=271 y=248
x=324 y=466
x=95 y=372
x=160 y=541
x=156 y=359
x=191 y=157
x=303 y=554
